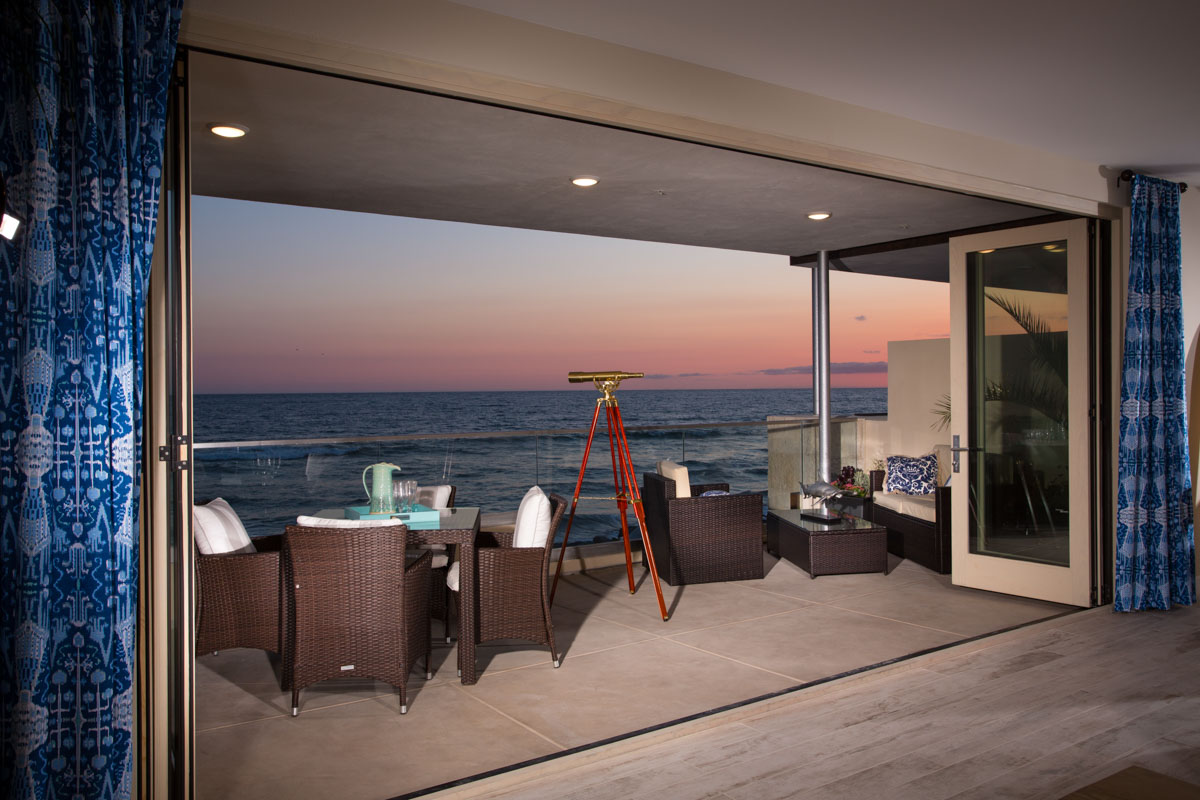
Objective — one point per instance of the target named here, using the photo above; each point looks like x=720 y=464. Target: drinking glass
x=410 y=493
x=398 y=493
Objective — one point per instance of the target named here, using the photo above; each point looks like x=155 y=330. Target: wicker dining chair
x=514 y=590
x=238 y=599
x=355 y=608
x=703 y=539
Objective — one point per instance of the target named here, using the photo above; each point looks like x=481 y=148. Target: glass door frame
x=166 y=690
x=1075 y=584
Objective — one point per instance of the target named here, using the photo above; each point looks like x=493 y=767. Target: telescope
x=623 y=477
x=611 y=375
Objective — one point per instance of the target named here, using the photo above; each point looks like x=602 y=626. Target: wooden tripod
x=624 y=481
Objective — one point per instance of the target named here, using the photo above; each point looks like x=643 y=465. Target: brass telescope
x=611 y=375
x=624 y=482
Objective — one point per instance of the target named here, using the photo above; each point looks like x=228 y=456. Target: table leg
x=466 y=614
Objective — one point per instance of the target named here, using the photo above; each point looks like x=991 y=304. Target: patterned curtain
x=1155 y=558
x=81 y=134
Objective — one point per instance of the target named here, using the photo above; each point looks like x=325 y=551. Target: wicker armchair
x=514 y=589
x=355 y=608
x=702 y=539
x=238 y=599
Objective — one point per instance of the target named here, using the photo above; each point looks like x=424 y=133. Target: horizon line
x=571 y=389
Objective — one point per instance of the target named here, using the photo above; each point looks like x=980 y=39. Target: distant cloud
x=870 y=351
x=838 y=367
x=658 y=376
x=861 y=318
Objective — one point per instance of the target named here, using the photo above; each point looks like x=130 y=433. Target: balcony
x=624 y=670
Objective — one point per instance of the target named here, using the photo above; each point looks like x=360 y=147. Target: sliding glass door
x=1022 y=412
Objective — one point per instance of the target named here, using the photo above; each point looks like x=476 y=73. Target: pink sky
x=290 y=299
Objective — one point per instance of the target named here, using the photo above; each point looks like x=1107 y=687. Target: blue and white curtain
x=84 y=88
x=1155 y=558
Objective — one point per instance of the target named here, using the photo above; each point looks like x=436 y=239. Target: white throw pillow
x=452 y=577
x=321 y=522
x=434 y=496
x=677 y=473
x=533 y=519
x=218 y=529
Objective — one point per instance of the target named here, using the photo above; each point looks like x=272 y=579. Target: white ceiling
x=1112 y=82
x=326 y=142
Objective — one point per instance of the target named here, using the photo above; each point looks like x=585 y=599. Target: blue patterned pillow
x=715 y=493
x=911 y=475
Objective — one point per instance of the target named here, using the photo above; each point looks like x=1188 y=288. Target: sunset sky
x=291 y=299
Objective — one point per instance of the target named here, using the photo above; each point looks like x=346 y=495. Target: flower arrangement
x=852 y=481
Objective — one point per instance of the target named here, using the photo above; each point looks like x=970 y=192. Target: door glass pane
x=1018 y=423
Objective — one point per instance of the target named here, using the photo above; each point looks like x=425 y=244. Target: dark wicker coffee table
x=852 y=545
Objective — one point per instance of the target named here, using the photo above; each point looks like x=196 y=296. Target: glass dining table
x=459 y=527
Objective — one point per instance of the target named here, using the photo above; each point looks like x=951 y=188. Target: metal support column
x=821 y=394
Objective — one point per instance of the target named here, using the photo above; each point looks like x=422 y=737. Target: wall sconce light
x=9 y=223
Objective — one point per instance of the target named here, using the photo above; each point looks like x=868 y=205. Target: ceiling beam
x=922 y=241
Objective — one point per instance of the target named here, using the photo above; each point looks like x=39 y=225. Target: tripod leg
x=619 y=489
x=587 y=449
x=639 y=512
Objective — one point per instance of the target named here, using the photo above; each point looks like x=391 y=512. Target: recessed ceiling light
x=585 y=180
x=982 y=252
x=1049 y=246
x=229 y=131
x=819 y=215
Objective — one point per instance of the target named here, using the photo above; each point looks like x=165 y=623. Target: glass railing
x=270 y=483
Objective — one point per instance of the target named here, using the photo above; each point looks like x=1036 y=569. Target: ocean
x=270 y=485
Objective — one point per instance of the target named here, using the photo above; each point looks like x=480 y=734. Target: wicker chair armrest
x=239 y=568
x=691 y=512
x=511 y=561
x=876 y=481
x=418 y=576
x=239 y=601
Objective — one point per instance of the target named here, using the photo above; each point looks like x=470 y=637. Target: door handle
x=956 y=449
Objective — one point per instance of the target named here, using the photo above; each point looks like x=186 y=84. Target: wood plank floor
x=1033 y=713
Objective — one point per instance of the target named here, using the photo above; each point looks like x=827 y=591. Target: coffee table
x=851 y=545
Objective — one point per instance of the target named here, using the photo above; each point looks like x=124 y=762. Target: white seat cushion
x=921 y=506
x=434 y=496
x=533 y=519
x=321 y=522
x=452 y=577
x=219 y=530
x=677 y=473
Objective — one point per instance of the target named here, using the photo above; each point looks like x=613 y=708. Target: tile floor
x=624 y=669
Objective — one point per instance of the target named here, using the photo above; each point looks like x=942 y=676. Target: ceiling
x=1107 y=82
x=325 y=142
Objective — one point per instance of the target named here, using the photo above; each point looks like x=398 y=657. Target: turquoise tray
x=422 y=519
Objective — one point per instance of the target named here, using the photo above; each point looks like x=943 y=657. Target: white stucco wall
x=918 y=378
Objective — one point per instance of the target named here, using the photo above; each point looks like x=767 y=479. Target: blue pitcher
x=380 y=493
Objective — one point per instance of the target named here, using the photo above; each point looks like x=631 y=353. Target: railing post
x=820 y=339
